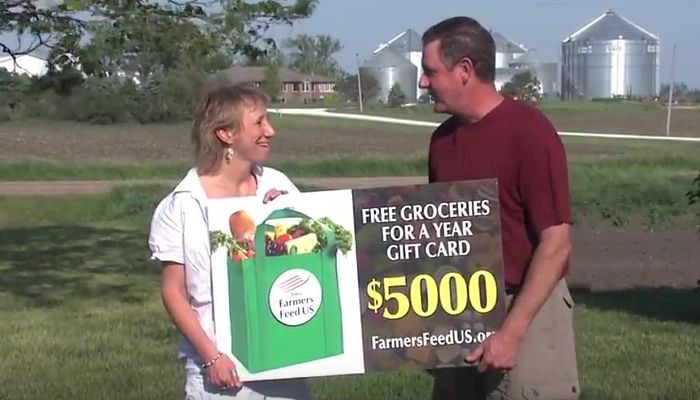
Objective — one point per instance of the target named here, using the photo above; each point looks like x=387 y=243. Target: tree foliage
x=523 y=86
x=346 y=87
x=238 y=26
x=681 y=93
x=272 y=82
x=694 y=194
x=274 y=55
x=314 y=54
x=396 y=97
x=694 y=197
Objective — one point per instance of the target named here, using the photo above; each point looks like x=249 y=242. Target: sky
x=361 y=25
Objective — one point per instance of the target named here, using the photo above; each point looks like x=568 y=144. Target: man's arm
x=500 y=351
x=544 y=189
x=546 y=269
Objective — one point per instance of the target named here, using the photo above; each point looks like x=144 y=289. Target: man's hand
x=499 y=351
x=273 y=194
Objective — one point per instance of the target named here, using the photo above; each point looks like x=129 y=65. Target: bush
x=101 y=100
x=332 y=99
x=396 y=97
x=694 y=197
x=5 y=114
x=98 y=101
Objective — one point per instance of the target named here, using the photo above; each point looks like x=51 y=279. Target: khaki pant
x=546 y=366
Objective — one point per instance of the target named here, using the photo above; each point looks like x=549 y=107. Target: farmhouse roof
x=257 y=74
x=405 y=42
x=611 y=26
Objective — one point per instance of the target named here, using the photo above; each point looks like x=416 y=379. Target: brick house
x=296 y=87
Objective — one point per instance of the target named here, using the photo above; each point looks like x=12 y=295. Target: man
x=532 y=355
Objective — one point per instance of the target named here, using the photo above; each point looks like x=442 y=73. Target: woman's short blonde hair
x=221 y=107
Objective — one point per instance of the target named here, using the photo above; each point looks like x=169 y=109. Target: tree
x=314 y=54
x=272 y=82
x=346 y=87
x=679 y=89
x=236 y=25
x=694 y=196
x=272 y=55
x=145 y=43
x=396 y=96
x=523 y=86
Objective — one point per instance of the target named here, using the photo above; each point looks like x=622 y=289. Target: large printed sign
x=352 y=281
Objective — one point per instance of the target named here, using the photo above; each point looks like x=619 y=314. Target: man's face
x=443 y=84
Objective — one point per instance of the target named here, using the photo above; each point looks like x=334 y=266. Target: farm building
x=389 y=67
x=546 y=72
x=609 y=57
x=399 y=60
x=296 y=87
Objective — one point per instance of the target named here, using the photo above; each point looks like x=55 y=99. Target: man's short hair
x=465 y=37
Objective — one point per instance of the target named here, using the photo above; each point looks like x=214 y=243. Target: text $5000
x=436 y=294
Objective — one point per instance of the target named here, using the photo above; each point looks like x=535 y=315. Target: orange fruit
x=242 y=225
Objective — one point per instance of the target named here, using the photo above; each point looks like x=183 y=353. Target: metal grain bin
x=506 y=50
x=610 y=57
x=388 y=67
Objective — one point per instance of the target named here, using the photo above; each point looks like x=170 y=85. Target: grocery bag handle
x=287 y=213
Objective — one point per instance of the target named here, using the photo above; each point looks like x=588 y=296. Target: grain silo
x=609 y=57
x=506 y=50
x=546 y=72
x=407 y=44
x=388 y=68
x=503 y=76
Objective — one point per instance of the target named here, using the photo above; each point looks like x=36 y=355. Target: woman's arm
x=174 y=296
x=222 y=372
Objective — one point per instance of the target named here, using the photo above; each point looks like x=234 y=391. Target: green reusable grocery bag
x=285 y=309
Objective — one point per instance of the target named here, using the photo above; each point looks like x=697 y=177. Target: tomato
x=284 y=238
x=239 y=255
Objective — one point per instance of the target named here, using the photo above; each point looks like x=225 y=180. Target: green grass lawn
x=332 y=165
x=82 y=319
x=614 y=179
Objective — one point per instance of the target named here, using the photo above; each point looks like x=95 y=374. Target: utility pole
x=670 y=92
x=359 y=82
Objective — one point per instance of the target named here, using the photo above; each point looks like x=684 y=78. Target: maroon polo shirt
x=516 y=144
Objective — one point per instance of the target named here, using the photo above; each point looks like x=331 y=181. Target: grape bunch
x=274 y=248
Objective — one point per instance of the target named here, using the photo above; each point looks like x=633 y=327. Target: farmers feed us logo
x=295 y=297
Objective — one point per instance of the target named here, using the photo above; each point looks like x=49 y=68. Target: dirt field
x=170 y=143
x=591 y=117
x=611 y=258
x=21 y=141
x=651 y=122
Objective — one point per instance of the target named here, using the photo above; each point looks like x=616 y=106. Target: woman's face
x=252 y=142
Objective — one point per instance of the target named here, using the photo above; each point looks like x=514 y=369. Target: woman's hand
x=273 y=194
x=223 y=373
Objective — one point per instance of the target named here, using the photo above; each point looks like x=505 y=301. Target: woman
x=232 y=136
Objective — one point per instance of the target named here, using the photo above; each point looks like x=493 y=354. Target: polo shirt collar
x=191 y=184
